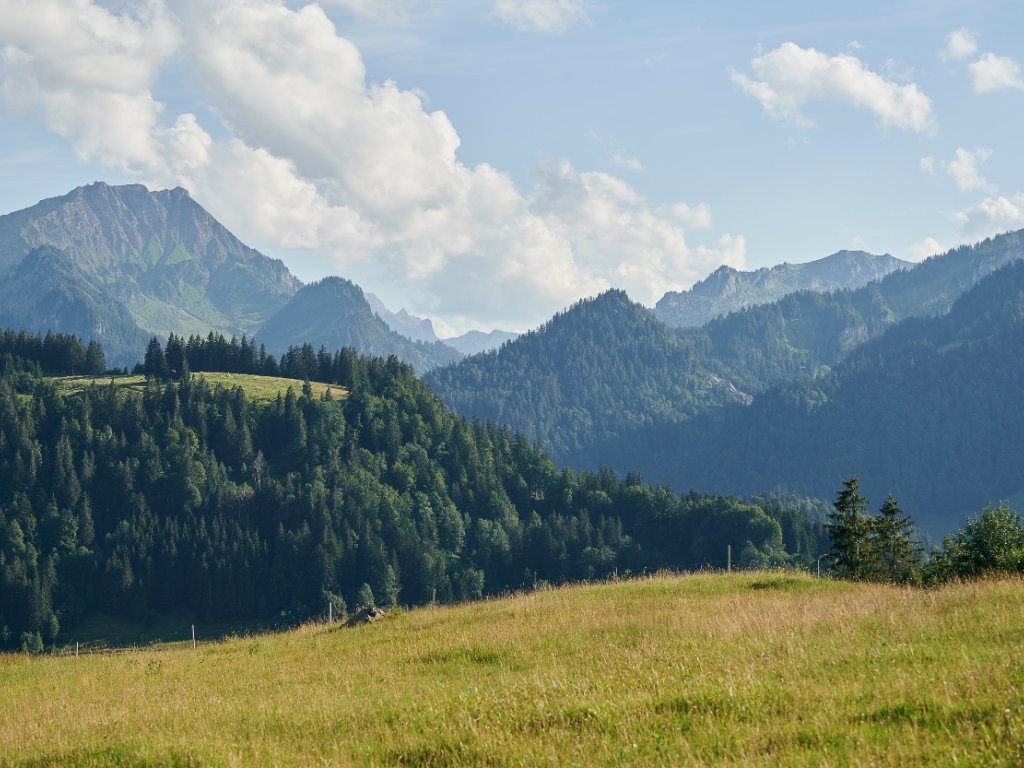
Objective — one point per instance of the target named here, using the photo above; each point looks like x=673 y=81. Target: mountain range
x=606 y=383
x=120 y=264
x=929 y=411
x=335 y=313
x=422 y=329
x=726 y=289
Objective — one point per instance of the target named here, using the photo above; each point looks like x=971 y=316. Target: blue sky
x=486 y=163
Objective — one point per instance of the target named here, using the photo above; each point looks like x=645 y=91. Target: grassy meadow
x=743 y=669
x=259 y=388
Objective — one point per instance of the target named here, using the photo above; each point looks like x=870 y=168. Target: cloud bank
x=310 y=154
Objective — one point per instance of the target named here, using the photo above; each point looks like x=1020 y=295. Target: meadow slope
x=742 y=669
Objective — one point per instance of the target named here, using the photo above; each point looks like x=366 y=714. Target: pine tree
x=850 y=527
x=898 y=554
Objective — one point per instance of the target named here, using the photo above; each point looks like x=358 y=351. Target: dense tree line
x=52 y=354
x=884 y=546
x=187 y=497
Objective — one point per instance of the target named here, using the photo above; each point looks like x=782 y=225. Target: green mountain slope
x=806 y=332
x=159 y=255
x=47 y=291
x=727 y=290
x=930 y=411
x=334 y=313
x=604 y=366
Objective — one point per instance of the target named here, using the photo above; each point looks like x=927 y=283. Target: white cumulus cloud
x=921 y=250
x=87 y=73
x=550 y=16
x=965 y=169
x=310 y=154
x=992 y=216
x=789 y=77
x=995 y=73
x=960 y=44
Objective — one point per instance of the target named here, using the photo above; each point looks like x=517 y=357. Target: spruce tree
x=899 y=555
x=850 y=527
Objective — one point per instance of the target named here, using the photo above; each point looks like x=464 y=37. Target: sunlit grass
x=746 y=669
x=258 y=388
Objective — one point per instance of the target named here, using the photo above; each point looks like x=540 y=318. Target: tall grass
x=742 y=669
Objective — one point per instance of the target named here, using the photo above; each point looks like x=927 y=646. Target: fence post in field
x=330 y=612
x=193 y=637
x=728 y=558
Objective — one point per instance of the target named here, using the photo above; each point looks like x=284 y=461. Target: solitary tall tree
x=850 y=527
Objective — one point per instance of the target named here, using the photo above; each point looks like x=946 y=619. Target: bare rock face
x=727 y=290
x=365 y=615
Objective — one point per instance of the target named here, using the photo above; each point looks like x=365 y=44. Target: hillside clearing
x=258 y=388
x=746 y=669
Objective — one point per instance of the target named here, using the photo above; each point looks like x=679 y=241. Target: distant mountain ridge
x=422 y=329
x=726 y=289
x=929 y=411
x=120 y=264
x=474 y=342
x=335 y=313
x=607 y=366
x=401 y=322
x=160 y=256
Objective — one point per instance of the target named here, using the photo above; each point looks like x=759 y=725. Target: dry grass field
x=742 y=669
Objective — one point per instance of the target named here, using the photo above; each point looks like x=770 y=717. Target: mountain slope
x=806 y=332
x=47 y=291
x=930 y=411
x=727 y=290
x=401 y=322
x=602 y=367
x=159 y=255
x=137 y=263
x=608 y=366
x=334 y=313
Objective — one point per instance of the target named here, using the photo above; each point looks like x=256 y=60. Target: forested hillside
x=187 y=497
x=930 y=411
x=334 y=313
x=606 y=366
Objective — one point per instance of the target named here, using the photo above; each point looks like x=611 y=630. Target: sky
x=487 y=163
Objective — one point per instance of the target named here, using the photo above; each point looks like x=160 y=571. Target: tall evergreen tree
x=850 y=527
x=899 y=556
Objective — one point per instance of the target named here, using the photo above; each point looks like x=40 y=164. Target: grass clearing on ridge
x=741 y=669
x=258 y=388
